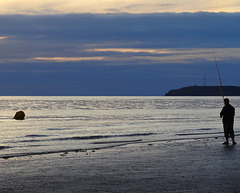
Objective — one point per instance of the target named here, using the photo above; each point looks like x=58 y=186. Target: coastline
x=191 y=165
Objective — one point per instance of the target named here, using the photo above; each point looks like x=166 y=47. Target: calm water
x=62 y=123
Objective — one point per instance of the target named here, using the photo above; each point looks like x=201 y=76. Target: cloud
x=175 y=55
x=67 y=59
x=47 y=7
x=109 y=36
x=166 y=4
x=134 y=50
x=163 y=30
x=3 y=37
x=116 y=54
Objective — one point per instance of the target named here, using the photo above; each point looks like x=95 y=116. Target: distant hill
x=205 y=91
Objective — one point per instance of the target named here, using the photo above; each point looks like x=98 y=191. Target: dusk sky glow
x=112 y=47
x=115 y=6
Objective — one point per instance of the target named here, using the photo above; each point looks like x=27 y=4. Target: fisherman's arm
x=222 y=112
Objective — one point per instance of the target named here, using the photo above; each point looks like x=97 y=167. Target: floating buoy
x=19 y=115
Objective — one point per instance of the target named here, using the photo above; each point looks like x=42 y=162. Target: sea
x=63 y=123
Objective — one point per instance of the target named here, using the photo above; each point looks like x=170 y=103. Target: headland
x=205 y=91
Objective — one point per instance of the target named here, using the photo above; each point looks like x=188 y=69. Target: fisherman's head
x=226 y=101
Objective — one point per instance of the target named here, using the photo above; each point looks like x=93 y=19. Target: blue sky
x=128 y=48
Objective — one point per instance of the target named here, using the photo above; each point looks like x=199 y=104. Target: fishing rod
x=219 y=77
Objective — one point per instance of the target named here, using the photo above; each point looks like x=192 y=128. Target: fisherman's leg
x=226 y=134
x=231 y=132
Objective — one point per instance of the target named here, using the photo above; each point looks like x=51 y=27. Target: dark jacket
x=228 y=113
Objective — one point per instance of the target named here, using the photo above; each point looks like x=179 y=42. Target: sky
x=115 y=6
x=116 y=48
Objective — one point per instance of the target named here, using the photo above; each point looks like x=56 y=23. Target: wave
x=206 y=129
x=54 y=129
x=113 y=142
x=186 y=134
x=103 y=136
x=33 y=140
x=92 y=137
x=4 y=147
x=33 y=136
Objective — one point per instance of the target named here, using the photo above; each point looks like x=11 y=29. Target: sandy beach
x=193 y=165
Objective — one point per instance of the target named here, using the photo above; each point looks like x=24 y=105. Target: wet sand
x=192 y=165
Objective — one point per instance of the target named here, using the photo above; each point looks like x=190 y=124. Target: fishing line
x=219 y=77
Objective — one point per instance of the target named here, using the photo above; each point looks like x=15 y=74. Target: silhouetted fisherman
x=227 y=114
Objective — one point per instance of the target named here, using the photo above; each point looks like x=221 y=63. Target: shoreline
x=196 y=165
x=111 y=144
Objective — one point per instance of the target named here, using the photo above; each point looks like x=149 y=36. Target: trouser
x=228 y=130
